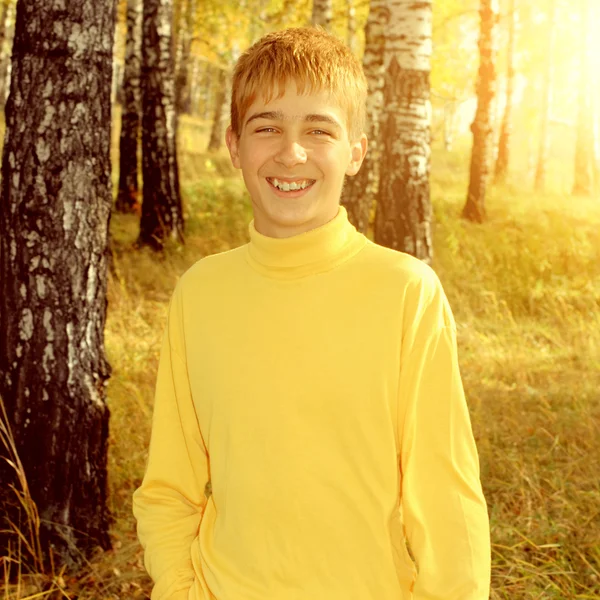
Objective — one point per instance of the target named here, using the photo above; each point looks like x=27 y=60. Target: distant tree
x=194 y=85
x=546 y=98
x=596 y=133
x=162 y=213
x=205 y=89
x=128 y=195
x=482 y=127
x=7 y=28
x=503 y=159
x=322 y=13
x=183 y=59
x=359 y=192
x=352 y=39
x=4 y=23
x=585 y=143
x=403 y=217
x=55 y=204
x=216 y=132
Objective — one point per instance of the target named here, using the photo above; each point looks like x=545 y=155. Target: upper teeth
x=294 y=185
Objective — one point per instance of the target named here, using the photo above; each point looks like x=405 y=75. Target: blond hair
x=311 y=57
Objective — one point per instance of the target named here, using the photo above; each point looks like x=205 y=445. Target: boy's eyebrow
x=278 y=115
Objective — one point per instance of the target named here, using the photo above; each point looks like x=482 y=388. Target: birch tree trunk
x=322 y=13
x=216 y=134
x=596 y=163
x=403 y=218
x=8 y=35
x=360 y=191
x=3 y=25
x=162 y=214
x=207 y=90
x=128 y=195
x=55 y=206
x=546 y=99
x=352 y=39
x=195 y=87
x=182 y=86
x=503 y=159
x=584 y=145
x=482 y=126
x=596 y=127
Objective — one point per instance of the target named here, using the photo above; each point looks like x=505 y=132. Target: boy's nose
x=291 y=153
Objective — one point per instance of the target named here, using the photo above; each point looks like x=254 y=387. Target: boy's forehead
x=310 y=105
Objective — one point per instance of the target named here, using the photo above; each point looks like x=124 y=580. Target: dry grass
x=525 y=288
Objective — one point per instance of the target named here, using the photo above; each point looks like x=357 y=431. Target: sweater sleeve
x=169 y=503
x=442 y=503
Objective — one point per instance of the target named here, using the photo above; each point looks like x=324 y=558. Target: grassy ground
x=525 y=289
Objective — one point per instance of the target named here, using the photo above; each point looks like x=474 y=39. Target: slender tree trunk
x=403 y=219
x=54 y=214
x=322 y=13
x=360 y=191
x=503 y=159
x=546 y=100
x=352 y=40
x=482 y=127
x=256 y=25
x=128 y=196
x=584 y=145
x=216 y=134
x=450 y=110
x=162 y=214
x=596 y=129
x=182 y=86
x=596 y=163
x=196 y=86
x=8 y=34
x=3 y=24
x=207 y=88
x=117 y=83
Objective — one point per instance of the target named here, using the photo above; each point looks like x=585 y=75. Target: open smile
x=302 y=186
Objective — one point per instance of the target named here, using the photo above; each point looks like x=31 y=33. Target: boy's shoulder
x=212 y=267
x=415 y=283
x=401 y=267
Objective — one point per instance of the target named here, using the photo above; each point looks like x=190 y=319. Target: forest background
x=524 y=283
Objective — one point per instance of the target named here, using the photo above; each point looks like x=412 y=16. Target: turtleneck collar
x=308 y=253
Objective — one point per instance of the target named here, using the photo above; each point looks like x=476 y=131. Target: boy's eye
x=265 y=129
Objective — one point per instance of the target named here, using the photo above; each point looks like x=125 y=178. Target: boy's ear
x=359 y=151
x=232 y=144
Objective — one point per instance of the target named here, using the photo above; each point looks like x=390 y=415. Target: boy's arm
x=443 y=507
x=169 y=503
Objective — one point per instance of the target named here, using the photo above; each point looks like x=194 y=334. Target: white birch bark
x=127 y=197
x=403 y=219
x=7 y=42
x=352 y=39
x=162 y=212
x=322 y=13
x=360 y=191
x=55 y=202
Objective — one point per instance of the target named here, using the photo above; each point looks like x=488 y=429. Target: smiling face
x=297 y=141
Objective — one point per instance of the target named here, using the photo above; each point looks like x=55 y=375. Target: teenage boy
x=311 y=377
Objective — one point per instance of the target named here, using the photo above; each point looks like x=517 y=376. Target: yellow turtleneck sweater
x=313 y=380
